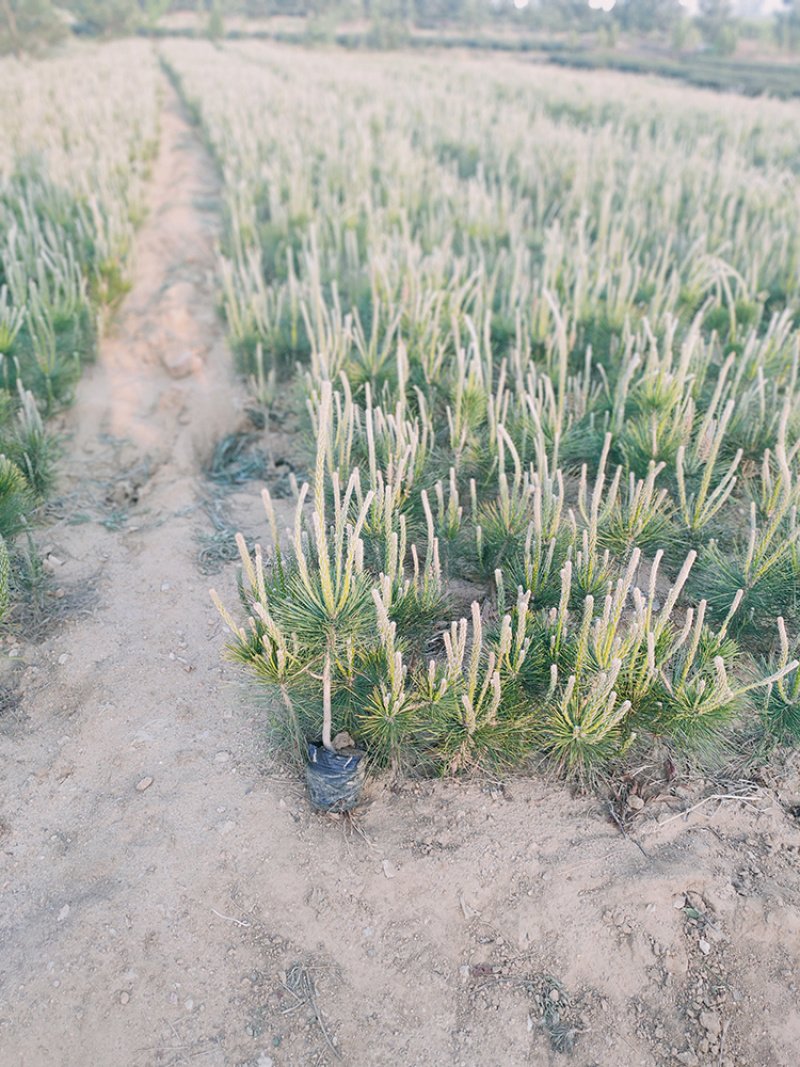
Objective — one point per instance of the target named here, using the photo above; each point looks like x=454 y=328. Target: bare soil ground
x=168 y=897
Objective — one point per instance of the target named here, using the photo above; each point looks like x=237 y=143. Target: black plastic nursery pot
x=334 y=779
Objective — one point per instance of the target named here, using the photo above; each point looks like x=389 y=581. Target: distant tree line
x=31 y=25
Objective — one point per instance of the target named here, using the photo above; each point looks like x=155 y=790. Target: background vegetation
x=77 y=135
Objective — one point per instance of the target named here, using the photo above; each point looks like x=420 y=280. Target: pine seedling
x=662 y=413
x=547 y=541
x=274 y=659
x=475 y=729
x=327 y=593
x=340 y=431
x=466 y=415
x=640 y=516
x=755 y=423
x=373 y=360
x=513 y=640
x=263 y=384
x=414 y=603
x=16 y=499
x=11 y=320
x=539 y=565
x=763 y=567
x=592 y=570
x=389 y=718
x=580 y=730
x=780 y=712
x=696 y=511
x=318 y=603
x=30 y=446
x=701 y=699
x=660 y=678
x=449 y=515
x=43 y=334
x=397 y=445
x=504 y=523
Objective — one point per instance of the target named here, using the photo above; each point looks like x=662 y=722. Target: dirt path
x=167 y=896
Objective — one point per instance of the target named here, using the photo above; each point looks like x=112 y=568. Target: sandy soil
x=168 y=897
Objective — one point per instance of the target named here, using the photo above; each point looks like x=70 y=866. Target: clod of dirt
x=388 y=868
x=710 y=1022
x=343 y=740
x=124 y=493
x=182 y=363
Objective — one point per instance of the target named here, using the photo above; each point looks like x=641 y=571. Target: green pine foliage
x=550 y=351
x=15 y=499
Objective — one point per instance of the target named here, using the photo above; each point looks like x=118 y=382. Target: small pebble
x=679 y=902
x=635 y=803
x=164 y=587
x=124 y=998
x=222 y=757
x=554 y=995
x=388 y=869
x=144 y=784
x=704 y=946
x=62 y=659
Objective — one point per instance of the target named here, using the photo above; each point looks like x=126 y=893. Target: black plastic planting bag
x=334 y=778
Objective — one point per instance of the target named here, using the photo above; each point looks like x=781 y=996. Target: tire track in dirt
x=166 y=895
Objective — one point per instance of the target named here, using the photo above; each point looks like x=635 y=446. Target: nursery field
x=494 y=369
x=560 y=331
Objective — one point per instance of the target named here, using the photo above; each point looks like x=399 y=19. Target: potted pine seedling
x=312 y=615
x=331 y=606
